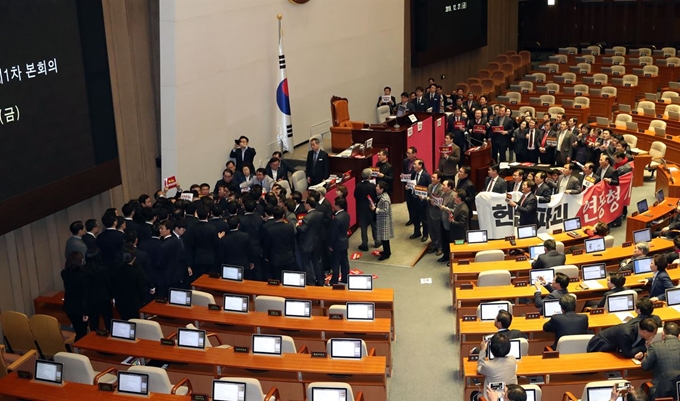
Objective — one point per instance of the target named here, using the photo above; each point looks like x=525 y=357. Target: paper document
x=624 y=316
x=545 y=236
x=427 y=280
x=592 y=284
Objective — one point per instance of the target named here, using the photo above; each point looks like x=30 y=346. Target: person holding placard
x=449 y=157
x=387 y=99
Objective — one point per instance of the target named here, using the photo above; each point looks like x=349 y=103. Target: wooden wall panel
x=501 y=37
x=31 y=257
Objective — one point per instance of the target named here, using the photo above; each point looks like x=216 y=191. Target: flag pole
x=284 y=126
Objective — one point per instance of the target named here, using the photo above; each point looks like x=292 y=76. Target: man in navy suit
x=242 y=153
x=420 y=103
x=434 y=99
x=526 y=206
x=418 y=206
x=277 y=170
x=338 y=242
x=500 y=141
x=568 y=322
x=317 y=163
x=660 y=281
x=493 y=182
x=110 y=242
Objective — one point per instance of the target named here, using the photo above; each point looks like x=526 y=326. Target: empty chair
x=673 y=62
x=555 y=110
x=299 y=179
x=263 y=303
x=645 y=104
x=569 y=77
x=569 y=270
x=547 y=100
x=630 y=80
x=159 y=382
x=554 y=88
x=618 y=70
x=584 y=68
x=508 y=69
x=491 y=278
x=657 y=124
x=208 y=344
x=573 y=344
x=668 y=51
x=610 y=91
x=644 y=51
x=338 y=310
x=631 y=140
x=498 y=77
x=350 y=396
x=582 y=101
x=540 y=77
x=472 y=80
x=147 y=329
x=608 y=241
x=595 y=50
x=536 y=389
x=526 y=57
x=571 y=50
x=646 y=60
x=492 y=255
x=560 y=58
x=526 y=85
x=668 y=95
x=515 y=97
x=635 y=296
x=581 y=89
x=619 y=50
x=485 y=73
x=78 y=369
x=671 y=108
x=605 y=383
x=476 y=89
x=382 y=112
x=493 y=66
x=488 y=85
x=616 y=60
x=502 y=58
x=17 y=332
x=650 y=70
x=658 y=152
x=600 y=79
x=559 y=246
x=622 y=119
x=254 y=389
x=48 y=335
x=530 y=109
x=552 y=67
x=506 y=303
x=202 y=298
x=518 y=64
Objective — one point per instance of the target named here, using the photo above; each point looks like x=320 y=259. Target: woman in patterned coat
x=383 y=212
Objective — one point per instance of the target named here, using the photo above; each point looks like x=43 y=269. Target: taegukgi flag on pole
x=284 y=128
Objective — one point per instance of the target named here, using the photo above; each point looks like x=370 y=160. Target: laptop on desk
x=535 y=101
x=660 y=132
x=674 y=115
x=673 y=298
x=595 y=92
x=631 y=126
x=568 y=103
x=602 y=121
x=624 y=108
x=648 y=111
x=651 y=97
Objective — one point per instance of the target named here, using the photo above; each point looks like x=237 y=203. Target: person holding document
x=405 y=106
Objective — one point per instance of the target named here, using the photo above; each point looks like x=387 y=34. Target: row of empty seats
x=40 y=332
x=586 y=68
x=617 y=60
x=498 y=74
x=619 y=51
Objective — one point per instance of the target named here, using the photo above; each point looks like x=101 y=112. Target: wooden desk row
x=581 y=114
x=645 y=84
x=322 y=297
x=643 y=121
x=290 y=373
x=599 y=106
x=237 y=328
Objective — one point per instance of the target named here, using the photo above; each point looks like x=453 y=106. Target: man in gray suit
x=76 y=243
x=550 y=258
x=447 y=204
x=568 y=183
x=565 y=142
x=434 y=215
x=662 y=359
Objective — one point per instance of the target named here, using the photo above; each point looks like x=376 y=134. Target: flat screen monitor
x=133 y=383
x=526 y=231
x=349 y=348
x=123 y=330
x=535 y=251
x=552 y=307
x=596 y=271
x=360 y=311
x=531 y=394
x=601 y=393
x=236 y=303
x=547 y=274
x=659 y=196
x=641 y=266
x=266 y=345
x=673 y=296
x=594 y=245
x=297 y=308
x=572 y=224
x=232 y=273
x=515 y=350
x=194 y=339
x=228 y=391
x=49 y=372
x=489 y=311
x=293 y=278
x=360 y=282
x=476 y=237
x=642 y=206
x=180 y=297
x=329 y=394
x=644 y=235
x=620 y=303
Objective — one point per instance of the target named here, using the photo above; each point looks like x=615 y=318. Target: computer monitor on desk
x=526 y=231
x=476 y=237
x=329 y=394
x=192 y=339
x=535 y=251
x=551 y=307
x=644 y=235
x=596 y=271
x=133 y=383
x=232 y=273
x=547 y=274
x=568 y=103
x=266 y=345
x=489 y=311
x=297 y=308
x=673 y=296
x=180 y=297
x=642 y=206
x=228 y=391
x=572 y=224
x=291 y=278
x=660 y=196
x=360 y=282
x=122 y=330
x=346 y=348
x=601 y=393
x=643 y=265
x=360 y=311
x=620 y=303
x=236 y=303
x=49 y=372
x=594 y=245
x=515 y=350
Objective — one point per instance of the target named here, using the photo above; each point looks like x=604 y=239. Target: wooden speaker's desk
x=237 y=328
x=599 y=106
x=322 y=297
x=289 y=372
x=23 y=389
x=660 y=212
x=669 y=181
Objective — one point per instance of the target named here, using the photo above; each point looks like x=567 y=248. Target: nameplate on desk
x=672 y=266
x=274 y=282
x=656 y=203
x=574 y=279
x=464 y=262
x=525 y=90
x=473 y=358
x=199 y=397
x=106 y=387
x=214 y=275
x=669 y=136
x=626 y=244
x=551 y=354
x=102 y=333
x=577 y=106
x=168 y=341
x=532 y=315
x=338 y=286
x=546 y=104
x=336 y=316
x=469 y=318
x=243 y=350
x=605 y=95
x=161 y=300
x=626 y=273
x=577 y=252
x=23 y=374
x=521 y=283
x=318 y=354
x=466 y=286
x=658 y=304
x=557 y=231
x=521 y=259
x=510 y=238
x=597 y=311
x=214 y=307
x=274 y=312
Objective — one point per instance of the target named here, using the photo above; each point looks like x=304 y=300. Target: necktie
x=545 y=138
x=316 y=156
x=490 y=186
x=531 y=140
x=417 y=178
x=521 y=202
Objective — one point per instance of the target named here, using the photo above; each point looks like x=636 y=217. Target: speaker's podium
x=479 y=160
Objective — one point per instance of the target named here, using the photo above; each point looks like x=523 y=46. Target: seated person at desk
x=503 y=322
x=673 y=229
x=644 y=309
x=568 y=322
x=616 y=283
x=550 y=258
x=640 y=251
x=500 y=369
x=557 y=289
x=660 y=281
x=629 y=339
x=512 y=392
x=662 y=359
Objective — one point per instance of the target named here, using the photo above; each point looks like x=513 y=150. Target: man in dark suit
x=493 y=182
x=449 y=158
x=405 y=106
x=465 y=183
x=568 y=322
x=242 y=153
x=227 y=181
x=565 y=142
x=458 y=221
x=630 y=340
x=129 y=214
x=110 y=242
x=527 y=204
x=533 y=142
x=644 y=308
x=547 y=142
x=152 y=248
x=143 y=259
x=385 y=170
x=550 y=258
x=543 y=191
x=434 y=215
x=276 y=170
x=251 y=224
x=308 y=234
x=568 y=183
x=420 y=103
x=503 y=322
x=235 y=247
x=448 y=203
x=170 y=270
x=338 y=242
x=470 y=104
x=500 y=141
x=557 y=289
x=278 y=249
x=606 y=172
x=90 y=237
x=317 y=163
x=363 y=191
x=434 y=99
x=418 y=206
x=476 y=137
x=144 y=230
x=217 y=220
x=202 y=245
x=391 y=103
x=662 y=359
x=456 y=126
